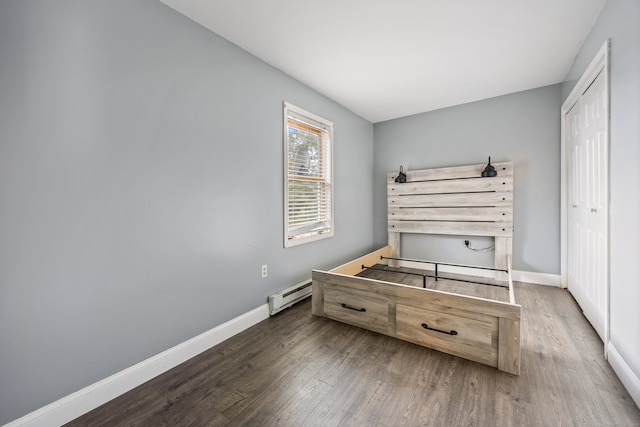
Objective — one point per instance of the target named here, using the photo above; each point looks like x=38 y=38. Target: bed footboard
x=476 y=329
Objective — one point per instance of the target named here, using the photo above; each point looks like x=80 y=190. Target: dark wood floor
x=295 y=369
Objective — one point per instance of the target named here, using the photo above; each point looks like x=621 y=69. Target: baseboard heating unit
x=289 y=296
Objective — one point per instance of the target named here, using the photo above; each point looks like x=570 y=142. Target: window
x=308 y=183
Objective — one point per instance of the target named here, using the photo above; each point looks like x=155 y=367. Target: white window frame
x=324 y=226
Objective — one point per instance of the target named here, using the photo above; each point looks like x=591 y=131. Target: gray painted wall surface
x=141 y=189
x=619 y=21
x=524 y=128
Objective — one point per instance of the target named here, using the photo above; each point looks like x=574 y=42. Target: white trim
x=628 y=378
x=600 y=63
x=536 y=278
x=76 y=404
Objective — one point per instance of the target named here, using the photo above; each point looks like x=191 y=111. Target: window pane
x=303 y=152
x=307 y=203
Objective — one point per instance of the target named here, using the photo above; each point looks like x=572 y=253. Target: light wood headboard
x=456 y=201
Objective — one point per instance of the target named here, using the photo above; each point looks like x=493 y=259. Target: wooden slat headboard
x=455 y=201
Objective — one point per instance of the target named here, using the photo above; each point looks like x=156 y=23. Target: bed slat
x=467 y=185
x=453 y=227
x=491 y=200
x=497 y=214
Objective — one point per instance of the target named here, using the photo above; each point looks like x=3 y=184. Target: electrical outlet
x=264 y=271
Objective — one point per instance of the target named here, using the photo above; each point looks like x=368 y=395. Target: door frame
x=600 y=63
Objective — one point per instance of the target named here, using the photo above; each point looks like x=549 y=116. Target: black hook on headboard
x=489 y=170
x=402 y=177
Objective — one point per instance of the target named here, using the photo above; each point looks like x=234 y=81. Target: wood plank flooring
x=295 y=369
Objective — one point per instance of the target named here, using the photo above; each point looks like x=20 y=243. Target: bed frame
x=453 y=201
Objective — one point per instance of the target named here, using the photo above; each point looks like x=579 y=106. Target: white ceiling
x=384 y=59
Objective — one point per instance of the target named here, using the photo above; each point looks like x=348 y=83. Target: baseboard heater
x=289 y=296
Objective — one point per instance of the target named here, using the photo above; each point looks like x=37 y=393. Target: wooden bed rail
x=354 y=267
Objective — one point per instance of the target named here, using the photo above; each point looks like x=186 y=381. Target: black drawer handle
x=353 y=308
x=424 y=325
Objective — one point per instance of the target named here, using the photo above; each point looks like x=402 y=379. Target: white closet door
x=587 y=257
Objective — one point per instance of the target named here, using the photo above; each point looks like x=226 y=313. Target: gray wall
x=524 y=128
x=141 y=189
x=619 y=21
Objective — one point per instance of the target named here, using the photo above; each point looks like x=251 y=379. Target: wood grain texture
x=403 y=294
x=462 y=228
x=296 y=369
x=509 y=333
x=466 y=185
x=477 y=318
x=317 y=303
x=354 y=267
x=394 y=242
x=503 y=255
x=459 y=200
x=454 y=201
x=497 y=214
x=357 y=308
x=474 y=339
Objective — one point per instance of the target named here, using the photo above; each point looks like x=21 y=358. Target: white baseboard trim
x=628 y=378
x=536 y=278
x=76 y=404
x=516 y=275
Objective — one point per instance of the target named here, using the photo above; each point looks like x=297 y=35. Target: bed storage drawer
x=357 y=308
x=472 y=338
